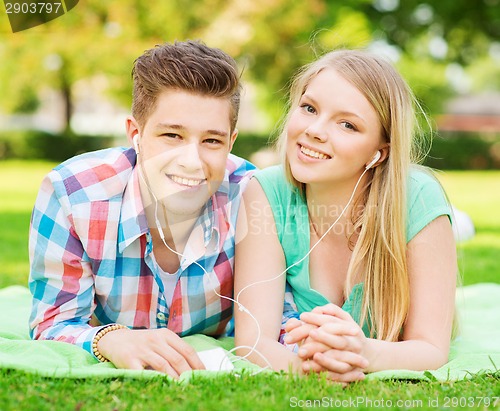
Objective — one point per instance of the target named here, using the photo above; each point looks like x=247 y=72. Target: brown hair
x=184 y=65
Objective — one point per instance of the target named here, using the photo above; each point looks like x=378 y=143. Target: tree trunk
x=68 y=101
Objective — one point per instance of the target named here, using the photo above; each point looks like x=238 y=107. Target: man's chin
x=188 y=208
x=187 y=203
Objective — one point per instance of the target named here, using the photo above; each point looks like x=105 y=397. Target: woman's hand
x=331 y=341
x=157 y=349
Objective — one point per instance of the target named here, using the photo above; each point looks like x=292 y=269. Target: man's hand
x=158 y=349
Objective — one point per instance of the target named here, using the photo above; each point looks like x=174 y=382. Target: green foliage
x=270 y=39
x=248 y=143
x=53 y=147
x=464 y=151
x=427 y=79
x=93 y=38
x=467 y=27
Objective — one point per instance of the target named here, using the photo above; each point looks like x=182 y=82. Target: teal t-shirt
x=426 y=201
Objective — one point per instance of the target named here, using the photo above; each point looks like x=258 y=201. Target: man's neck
x=175 y=229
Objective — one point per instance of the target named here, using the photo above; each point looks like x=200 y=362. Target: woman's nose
x=317 y=131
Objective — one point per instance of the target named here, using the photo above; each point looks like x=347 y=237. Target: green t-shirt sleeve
x=426 y=201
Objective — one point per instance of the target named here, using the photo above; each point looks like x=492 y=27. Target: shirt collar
x=211 y=226
x=133 y=222
x=204 y=239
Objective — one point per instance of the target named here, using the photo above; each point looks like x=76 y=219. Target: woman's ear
x=385 y=150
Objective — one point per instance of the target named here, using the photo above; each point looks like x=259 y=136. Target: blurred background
x=65 y=86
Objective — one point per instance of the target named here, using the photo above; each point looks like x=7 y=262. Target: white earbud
x=375 y=158
x=135 y=140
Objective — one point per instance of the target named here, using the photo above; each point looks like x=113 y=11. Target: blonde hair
x=379 y=254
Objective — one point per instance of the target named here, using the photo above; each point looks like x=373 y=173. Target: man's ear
x=132 y=129
x=233 y=139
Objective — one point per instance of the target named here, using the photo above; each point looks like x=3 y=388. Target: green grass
x=264 y=392
x=19 y=183
x=478 y=194
x=472 y=191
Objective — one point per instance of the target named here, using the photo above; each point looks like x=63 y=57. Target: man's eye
x=172 y=135
x=213 y=141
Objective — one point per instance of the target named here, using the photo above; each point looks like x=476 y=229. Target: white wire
x=241 y=307
x=311 y=249
x=287 y=268
x=238 y=358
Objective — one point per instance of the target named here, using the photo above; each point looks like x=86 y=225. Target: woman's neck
x=328 y=204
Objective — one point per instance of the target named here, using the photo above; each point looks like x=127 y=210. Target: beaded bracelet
x=99 y=335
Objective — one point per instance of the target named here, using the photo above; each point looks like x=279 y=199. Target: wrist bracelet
x=99 y=335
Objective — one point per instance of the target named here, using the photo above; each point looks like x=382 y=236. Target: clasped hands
x=329 y=341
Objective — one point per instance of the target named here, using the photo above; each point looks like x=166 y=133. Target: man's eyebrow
x=214 y=132
x=170 y=126
x=219 y=133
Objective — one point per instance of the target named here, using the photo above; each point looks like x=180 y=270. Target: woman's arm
x=426 y=338
x=259 y=257
x=432 y=269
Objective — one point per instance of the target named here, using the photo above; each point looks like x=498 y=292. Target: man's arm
x=63 y=288
x=60 y=281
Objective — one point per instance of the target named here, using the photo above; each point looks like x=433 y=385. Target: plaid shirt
x=91 y=254
x=289 y=311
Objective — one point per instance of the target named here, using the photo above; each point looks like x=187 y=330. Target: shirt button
x=161 y=316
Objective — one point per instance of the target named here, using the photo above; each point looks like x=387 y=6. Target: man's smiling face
x=183 y=150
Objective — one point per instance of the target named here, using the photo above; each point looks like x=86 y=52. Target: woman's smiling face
x=333 y=132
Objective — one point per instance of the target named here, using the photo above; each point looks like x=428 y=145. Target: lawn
x=471 y=191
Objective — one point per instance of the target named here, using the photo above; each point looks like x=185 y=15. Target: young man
x=132 y=248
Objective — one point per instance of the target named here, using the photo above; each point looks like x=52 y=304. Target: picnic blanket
x=477 y=349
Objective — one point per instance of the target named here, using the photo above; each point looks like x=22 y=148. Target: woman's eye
x=308 y=108
x=172 y=135
x=348 y=125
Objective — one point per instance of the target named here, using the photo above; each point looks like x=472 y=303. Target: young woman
x=358 y=233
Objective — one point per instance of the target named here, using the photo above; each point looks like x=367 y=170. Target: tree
x=274 y=37
x=466 y=27
x=94 y=38
x=270 y=39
